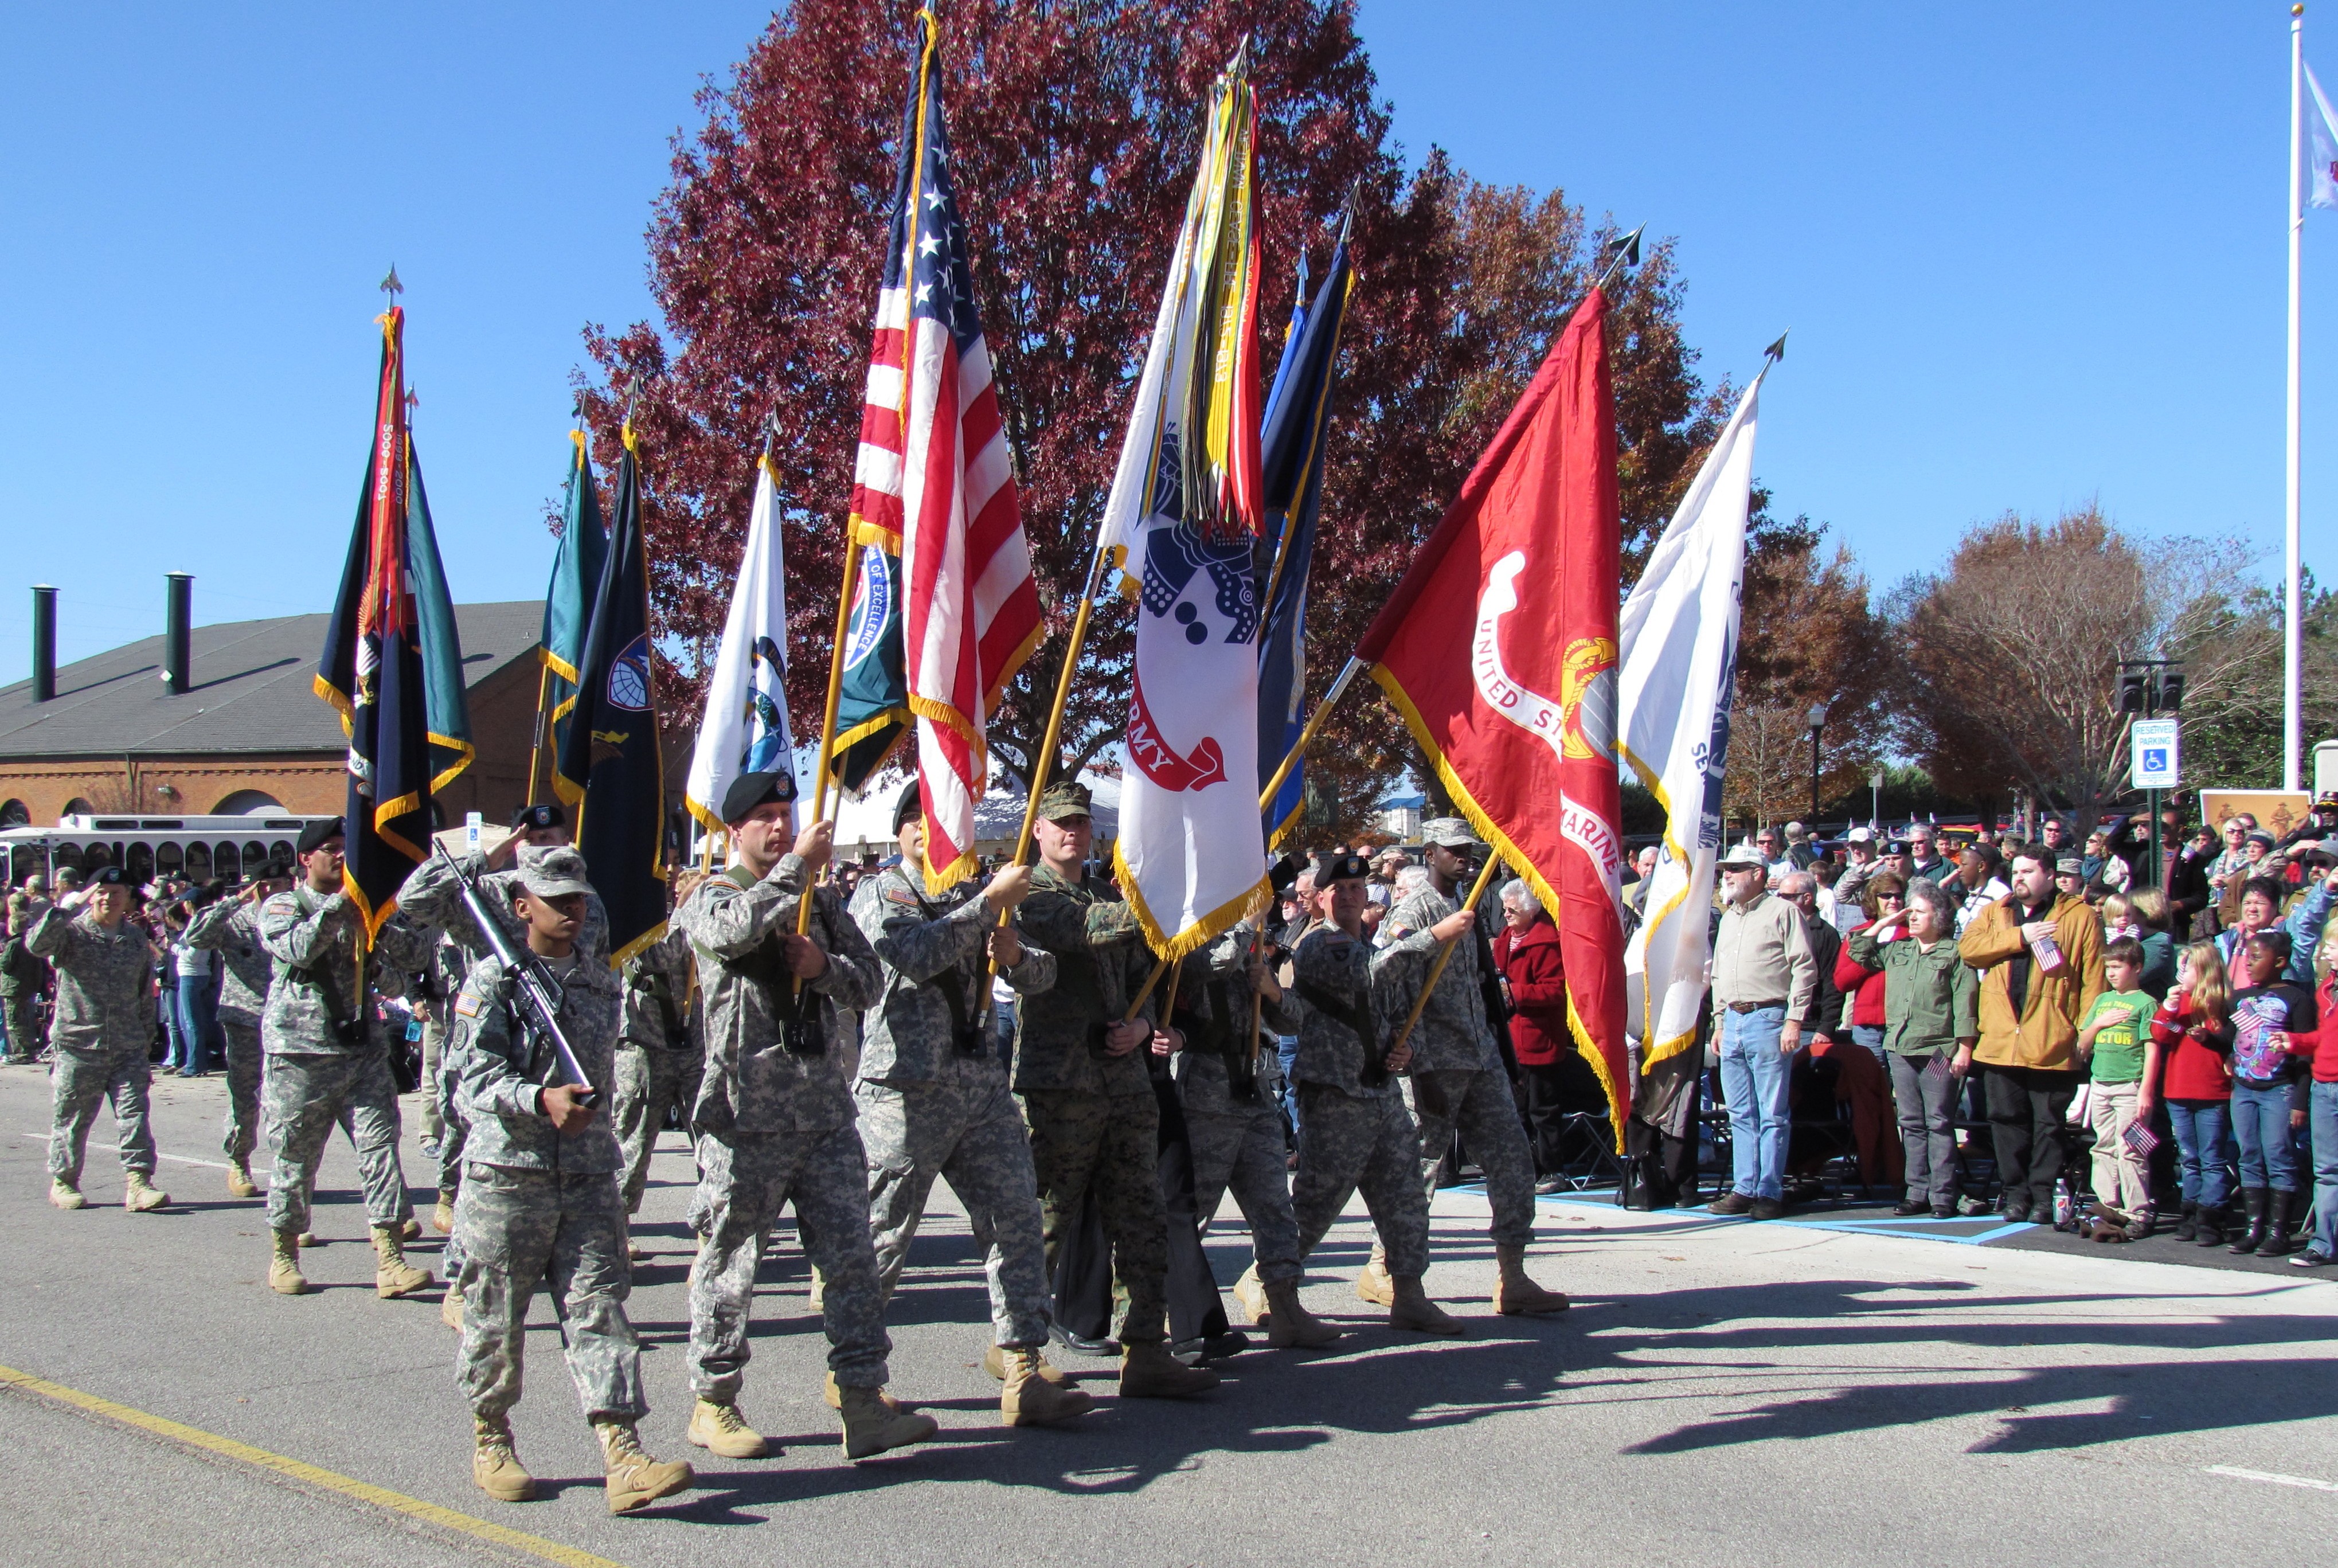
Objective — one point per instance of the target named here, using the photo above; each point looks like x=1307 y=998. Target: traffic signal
x=2171 y=690
x=2131 y=691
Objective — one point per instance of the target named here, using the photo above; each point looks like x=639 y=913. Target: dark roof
x=250 y=690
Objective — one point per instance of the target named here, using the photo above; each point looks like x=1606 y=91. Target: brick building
x=249 y=733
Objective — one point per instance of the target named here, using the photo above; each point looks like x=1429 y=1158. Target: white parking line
x=2308 y=1482
x=181 y=1159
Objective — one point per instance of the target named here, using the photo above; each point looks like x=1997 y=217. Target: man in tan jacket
x=2041 y=957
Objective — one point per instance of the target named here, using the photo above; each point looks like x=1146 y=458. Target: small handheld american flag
x=2140 y=1140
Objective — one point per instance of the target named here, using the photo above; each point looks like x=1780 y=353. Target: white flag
x=2321 y=143
x=1678 y=631
x=745 y=729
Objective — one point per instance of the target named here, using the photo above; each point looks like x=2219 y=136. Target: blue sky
x=2029 y=256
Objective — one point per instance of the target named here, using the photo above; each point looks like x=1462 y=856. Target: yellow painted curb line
x=311 y=1474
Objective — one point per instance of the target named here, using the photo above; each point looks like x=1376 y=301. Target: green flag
x=568 y=601
x=872 y=708
x=447 y=709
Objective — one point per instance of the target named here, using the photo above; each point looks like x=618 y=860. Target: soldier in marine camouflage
x=540 y=1203
x=231 y=927
x=777 y=1108
x=104 y=1025
x=934 y=1100
x=327 y=1061
x=1459 y=1082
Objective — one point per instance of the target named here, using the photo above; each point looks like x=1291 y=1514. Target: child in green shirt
x=2116 y=1043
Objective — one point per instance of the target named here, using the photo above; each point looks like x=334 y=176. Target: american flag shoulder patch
x=467 y=1005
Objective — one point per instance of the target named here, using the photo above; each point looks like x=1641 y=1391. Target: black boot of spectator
x=2253 y=1204
x=2210 y=1223
x=2278 y=1204
x=2187 y=1224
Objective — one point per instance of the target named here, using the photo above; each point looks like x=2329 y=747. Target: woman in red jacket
x=1557 y=1081
x=1884 y=895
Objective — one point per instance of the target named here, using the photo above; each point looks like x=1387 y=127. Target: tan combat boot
x=635 y=1479
x=392 y=1275
x=1373 y=1284
x=284 y=1276
x=633 y=1253
x=1030 y=1399
x=410 y=1228
x=1415 y=1313
x=64 y=1194
x=140 y=1196
x=450 y=1307
x=1289 y=1324
x=238 y=1180
x=1515 y=1293
x=1252 y=1296
x=495 y=1466
x=818 y=1296
x=1148 y=1371
x=873 y=1425
x=308 y=1239
x=833 y=1398
x=718 y=1429
x=442 y=1217
x=998 y=1363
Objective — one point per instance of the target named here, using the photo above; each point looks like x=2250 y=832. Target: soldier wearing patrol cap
x=541 y=1204
x=103 y=1024
x=231 y=927
x=777 y=1109
x=327 y=1061
x=1087 y=1097
x=1459 y=1082
x=934 y=1099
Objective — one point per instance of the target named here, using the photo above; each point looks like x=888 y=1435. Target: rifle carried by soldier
x=528 y=987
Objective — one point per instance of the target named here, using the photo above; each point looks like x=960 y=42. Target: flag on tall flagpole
x=745 y=729
x=568 y=601
x=2321 y=134
x=374 y=667
x=611 y=769
x=934 y=488
x=1678 y=654
x=1499 y=647
x=1291 y=461
x=1185 y=503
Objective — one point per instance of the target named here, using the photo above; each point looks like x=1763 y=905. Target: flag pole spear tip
x=390 y=285
x=1775 y=351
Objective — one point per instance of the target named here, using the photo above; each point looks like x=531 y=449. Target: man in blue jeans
x=1765 y=979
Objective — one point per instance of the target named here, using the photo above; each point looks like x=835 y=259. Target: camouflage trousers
x=752 y=1178
x=243 y=1063
x=1247 y=1152
x=302 y=1098
x=650 y=1082
x=78 y=1082
x=1346 y=1142
x=1113 y=1140
x=970 y=1135
x=521 y=1229
x=23 y=1024
x=1478 y=1105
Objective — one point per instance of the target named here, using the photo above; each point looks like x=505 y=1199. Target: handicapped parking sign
x=2156 y=754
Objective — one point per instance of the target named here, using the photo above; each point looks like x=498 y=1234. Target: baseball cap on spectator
x=1746 y=856
x=1860 y=836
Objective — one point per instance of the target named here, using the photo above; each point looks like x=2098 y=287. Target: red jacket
x=1864 y=985
x=1530 y=959
x=2320 y=1045
x=2198 y=1059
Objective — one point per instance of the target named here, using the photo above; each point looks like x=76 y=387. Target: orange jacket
x=2046 y=1033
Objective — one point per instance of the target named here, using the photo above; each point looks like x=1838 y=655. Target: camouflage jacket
x=1331 y=964
x=1101 y=960
x=1453 y=1031
x=105 y=982
x=1214 y=1011
x=932 y=953
x=502 y=1066
x=753 y=1083
x=657 y=996
x=432 y=897
x=231 y=927
x=314 y=942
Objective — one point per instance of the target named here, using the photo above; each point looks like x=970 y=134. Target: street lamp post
x=1817 y=717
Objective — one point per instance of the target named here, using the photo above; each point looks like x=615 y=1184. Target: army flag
x=374 y=669
x=1298 y=421
x=568 y=599
x=745 y=729
x=610 y=771
x=1499 y=647
x=1185 y=505
x=1677 y=655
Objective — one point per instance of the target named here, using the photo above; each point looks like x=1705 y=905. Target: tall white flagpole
x=2292 y=737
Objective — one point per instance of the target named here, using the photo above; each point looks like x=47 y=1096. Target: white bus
x=196 y=847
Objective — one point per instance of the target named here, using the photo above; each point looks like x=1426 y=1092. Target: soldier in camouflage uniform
x=327 y=1061
x=104 y=1026
x=662 y=1056
x=934 y=1100
x=1087 y=1096
x=1228 y=1090
x=1459 y=1082
x=231 y=927
x=23 y=977
x=775 y=1100
x=540 y=1203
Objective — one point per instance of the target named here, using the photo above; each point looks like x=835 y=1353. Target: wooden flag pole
x=1257 y=1005
x=851 y=579
x=1160 y=967
x=1307 y=735
x=1444 y=954
x=536 y=753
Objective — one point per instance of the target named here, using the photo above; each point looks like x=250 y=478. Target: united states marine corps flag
x=392 y=664
x=1499 y=649
x=610 y=770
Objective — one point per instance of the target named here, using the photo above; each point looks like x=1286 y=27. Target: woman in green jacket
x=1929 y=1028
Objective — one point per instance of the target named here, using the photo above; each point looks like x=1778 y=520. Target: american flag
x=934 y=482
